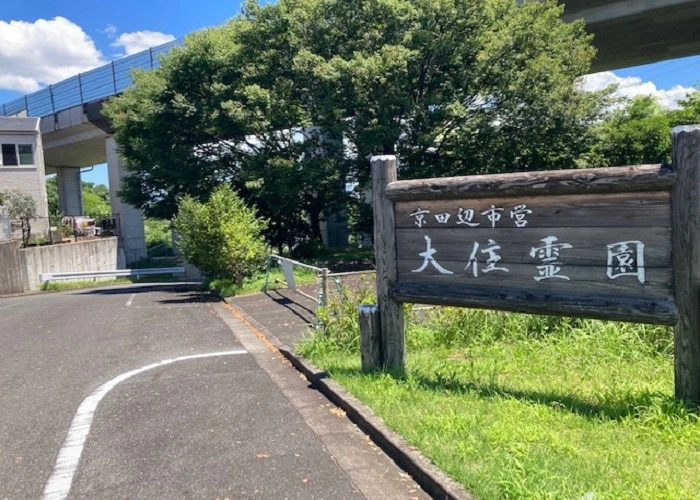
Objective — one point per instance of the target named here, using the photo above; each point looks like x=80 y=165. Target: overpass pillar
x=130 y=218
x=70 y=192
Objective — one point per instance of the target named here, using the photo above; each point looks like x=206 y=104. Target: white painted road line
x=59 y=483
x=131 y=299
x=14 y=304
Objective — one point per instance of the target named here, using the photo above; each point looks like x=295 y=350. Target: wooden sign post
x=686 y=261
x=393 y=344
x=619 y=243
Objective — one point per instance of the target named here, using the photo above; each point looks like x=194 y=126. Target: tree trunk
x=315 y=207
x=315 y=217
x=26 y=232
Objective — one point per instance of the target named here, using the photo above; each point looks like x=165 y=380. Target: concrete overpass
x=80 y=137
x=76 y=135
x=633 y=32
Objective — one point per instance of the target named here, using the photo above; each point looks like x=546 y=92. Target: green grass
x=75 y=285
x=228 y=287
x=518 y=406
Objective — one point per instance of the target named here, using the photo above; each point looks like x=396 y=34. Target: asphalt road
x=112 y=379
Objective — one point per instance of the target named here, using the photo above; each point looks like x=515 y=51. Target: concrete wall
x=12 y=276
x=101 y=254
x=5 y=228
x=130 y=218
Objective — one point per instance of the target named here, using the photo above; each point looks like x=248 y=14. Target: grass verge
x=228 y=287
x=519 y=406
x=76 y=285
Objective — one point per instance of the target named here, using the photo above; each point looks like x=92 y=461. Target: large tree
x=287 y=101
x=637 y=132
x=689 y=109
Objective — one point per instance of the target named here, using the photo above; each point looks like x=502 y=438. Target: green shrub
x=340 y=318
x=458 y=328
x=222 y=237
x=21 y=208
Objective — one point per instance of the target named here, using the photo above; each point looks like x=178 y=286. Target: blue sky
x=68 y=37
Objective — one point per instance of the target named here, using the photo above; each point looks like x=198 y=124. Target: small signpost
x=617 y=243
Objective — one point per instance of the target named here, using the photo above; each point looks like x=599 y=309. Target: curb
x=433 y=481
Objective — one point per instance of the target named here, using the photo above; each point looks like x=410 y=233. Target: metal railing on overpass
x=83 y=88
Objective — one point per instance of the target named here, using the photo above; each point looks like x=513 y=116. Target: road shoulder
x=367 y=466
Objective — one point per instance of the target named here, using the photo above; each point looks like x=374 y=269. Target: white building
x=22 y=168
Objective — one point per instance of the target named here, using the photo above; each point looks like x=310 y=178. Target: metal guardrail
x=287 y=267
x=83 y=88
x=44 y=277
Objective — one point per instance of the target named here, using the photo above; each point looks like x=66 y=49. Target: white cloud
x=632 y=86
x=43 y=52
x=111 y=30
x=141 y=40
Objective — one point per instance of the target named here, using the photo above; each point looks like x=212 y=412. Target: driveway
x=152 y=392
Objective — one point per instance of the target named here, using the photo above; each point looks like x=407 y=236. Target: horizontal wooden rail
x=653 y=311
x=628 y=179
x=44 y=277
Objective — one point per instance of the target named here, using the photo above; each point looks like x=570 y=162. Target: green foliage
x=95 y=198
x=54 y=286
x=458 y=328
x=21 y=208
x=520 y=406
x=340 y=318
x=689 y=112
x=638 y=133
x=229 y=288
x=222 y=237
x=157 y=233
x=52 y=196
x=287 y=102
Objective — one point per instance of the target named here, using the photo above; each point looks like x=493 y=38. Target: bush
x=222 y=237
x=340 y=318
x=22 y=209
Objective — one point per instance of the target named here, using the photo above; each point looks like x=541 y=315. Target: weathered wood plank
x=686 y=261
x=589 y=210
x=391 y=315
x=582 y=279
x=589 y=245
x=370 y=338
x=662 y=312
x=576 y=181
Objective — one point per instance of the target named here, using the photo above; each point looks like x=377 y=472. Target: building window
x=9 y=155
x=26 y=155
x=17 y=154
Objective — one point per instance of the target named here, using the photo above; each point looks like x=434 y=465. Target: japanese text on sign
x=624 y=258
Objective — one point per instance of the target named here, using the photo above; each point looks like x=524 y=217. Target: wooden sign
x=618 y=243
x=601 y=255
